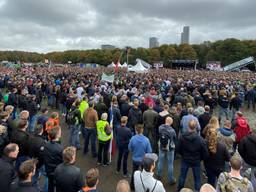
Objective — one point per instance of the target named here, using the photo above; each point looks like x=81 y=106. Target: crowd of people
x=193 y=116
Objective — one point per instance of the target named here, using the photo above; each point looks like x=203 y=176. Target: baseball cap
x=149 y=159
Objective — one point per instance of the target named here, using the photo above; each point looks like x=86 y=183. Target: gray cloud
x=47 y=25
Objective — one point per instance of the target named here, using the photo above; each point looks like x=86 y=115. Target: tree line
x=227 y=51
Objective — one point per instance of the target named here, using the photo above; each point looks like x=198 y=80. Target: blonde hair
x=211 y=138
x=214 y=122
x=68 y=154
x=123 y=186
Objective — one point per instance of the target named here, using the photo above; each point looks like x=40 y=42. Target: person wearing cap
x=144 y=180
x=89 y=131
x=104 y=138
x=139 y=145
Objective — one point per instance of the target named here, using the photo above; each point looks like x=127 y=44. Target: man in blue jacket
x=139 y=145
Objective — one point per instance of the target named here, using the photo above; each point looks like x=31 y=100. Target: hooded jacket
x=192 y=147
x=148 y=180
x=247 y=148
x=227 y=137
x=139 y=145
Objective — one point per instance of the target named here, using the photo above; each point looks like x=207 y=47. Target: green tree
x=187 y=52
x=153 y=55
x=169 y=53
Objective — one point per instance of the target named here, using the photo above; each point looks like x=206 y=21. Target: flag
x=112 y=145
x=117 y=65
x=107 y=78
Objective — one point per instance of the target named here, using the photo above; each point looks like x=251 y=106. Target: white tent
x=138 y=68
x=112 y=64
x=144 y=63
x=125 y=65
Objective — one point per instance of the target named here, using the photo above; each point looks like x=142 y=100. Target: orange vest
x=51 y=123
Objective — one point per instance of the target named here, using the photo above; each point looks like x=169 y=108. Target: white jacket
x=149 y=182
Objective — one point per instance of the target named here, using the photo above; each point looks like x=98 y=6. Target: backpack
x=242 y=129
x=71 y=117
x=233 y=184
x=147 y=189
x=166 y=142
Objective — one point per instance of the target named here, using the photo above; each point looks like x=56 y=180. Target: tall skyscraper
x=153 y=42
x=185 y=35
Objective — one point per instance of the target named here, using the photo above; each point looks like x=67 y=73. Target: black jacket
x=23 y=187
x=124 y=135
x=204 y=120
x=101 y=108
x=32 y=108
x=134 y=117
x=22 y=102
x=247 y=150
x=68 y=178
x=52 y=156
x=224 y=102
x=217 y=161
x=192 y=148
x=13 y=100
x=235 y=103
x=124 y=108
x=21 y=138
x=7 y=173
x=37 y=144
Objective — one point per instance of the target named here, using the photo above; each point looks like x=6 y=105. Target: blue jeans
x=196 y=168
x=50 y=100
x=170 y=158
x=89 y=133
x=223 y=111
x=63 y=108
x=32 y=123
x=35 y=179
x=74 y=136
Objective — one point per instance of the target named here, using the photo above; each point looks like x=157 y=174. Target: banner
x=107 y=78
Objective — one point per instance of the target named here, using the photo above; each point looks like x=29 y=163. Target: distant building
x=185 y=35
x=108 y=47
x=153 y=42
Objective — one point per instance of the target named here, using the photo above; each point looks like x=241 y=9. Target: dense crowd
x=194 y=116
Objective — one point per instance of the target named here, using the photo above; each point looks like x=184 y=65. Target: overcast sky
x=56 y=25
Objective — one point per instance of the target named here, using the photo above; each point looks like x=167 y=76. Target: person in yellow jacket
x=83 y=106
x=104 y=132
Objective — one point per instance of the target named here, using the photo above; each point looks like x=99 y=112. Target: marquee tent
x=138 y=68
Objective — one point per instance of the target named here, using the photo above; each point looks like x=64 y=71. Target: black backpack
x=164 y=142
x=71 y=117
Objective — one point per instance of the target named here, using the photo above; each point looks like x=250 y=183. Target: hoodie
x=227 y=137
x=192 y=148
x=139 y=145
